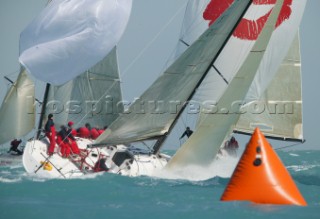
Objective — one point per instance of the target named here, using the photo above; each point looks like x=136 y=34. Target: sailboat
x=122 y=158
x=181 y=81
x=119 y=158
x=20 y=97
x=268 y=105
x=65 y=102
x=40 y=48
x=212 y=130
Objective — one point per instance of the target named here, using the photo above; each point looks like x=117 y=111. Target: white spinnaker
x=69 y=37
x=157 y=108
x=93 y=97
x=278 y=112
x=204 y=143
x=17 y=111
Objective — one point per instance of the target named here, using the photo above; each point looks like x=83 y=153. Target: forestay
x=69 y=37
x=204 y=143
x=17 y=111
x=154 y=113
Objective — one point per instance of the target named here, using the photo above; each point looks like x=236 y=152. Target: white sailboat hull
x=118 y=159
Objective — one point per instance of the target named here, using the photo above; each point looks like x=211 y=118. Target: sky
x=149 y=40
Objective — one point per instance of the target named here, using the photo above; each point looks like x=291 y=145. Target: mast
x=43 y=109
x=162 y=139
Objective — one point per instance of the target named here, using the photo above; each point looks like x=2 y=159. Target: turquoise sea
x=115 y=196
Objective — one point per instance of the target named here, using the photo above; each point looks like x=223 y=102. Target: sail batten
x=161 y=104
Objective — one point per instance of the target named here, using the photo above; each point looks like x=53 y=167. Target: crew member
x=83 y=132
x=233 y=143
x=102 y=130
x=51 y=134
x=94 y=133
x=63 y=142
x=231 y=146
x=101 y=165
x=72 y=140
x=188 y=132
x=14 y=146
x=73 y=131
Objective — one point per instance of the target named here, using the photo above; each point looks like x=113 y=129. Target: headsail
x=93 y=97
x=278 y=113
x=204 y=143
x=154 y=114
x=72 y=36
x=17 y=111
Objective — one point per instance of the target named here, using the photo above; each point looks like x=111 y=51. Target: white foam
x=222 y=167
x=6 y=180
x=299 y=168
x=294 y=155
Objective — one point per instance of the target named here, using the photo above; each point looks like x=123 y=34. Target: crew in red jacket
x=73 y=131
x=63 y=142
x=51 y=134
x=83 y=132
x=94 y=133
x=72 y=140
x=100 y=131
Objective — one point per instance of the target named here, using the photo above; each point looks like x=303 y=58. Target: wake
x=222 y=167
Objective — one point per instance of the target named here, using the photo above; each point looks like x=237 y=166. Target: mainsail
x=71 y=36
x=17 y=111
x=93 y=97
x=278 y=113
x=154 y=114
x=204 y=143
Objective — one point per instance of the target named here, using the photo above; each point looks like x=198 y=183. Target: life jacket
x=83 y=132
x=94 y=133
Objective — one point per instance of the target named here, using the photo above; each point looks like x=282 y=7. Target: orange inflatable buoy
x=260 y=177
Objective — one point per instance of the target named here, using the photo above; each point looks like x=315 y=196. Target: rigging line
x=195 y=24
x=146 y=145
x=219 y=73
x=184 y=123
x=12 y=73
x=187 y=30
x=151 y=42
x=289 y=146
x=140 y=54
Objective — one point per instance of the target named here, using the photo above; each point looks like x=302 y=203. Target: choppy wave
x=8 y=180
x=299 y=168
